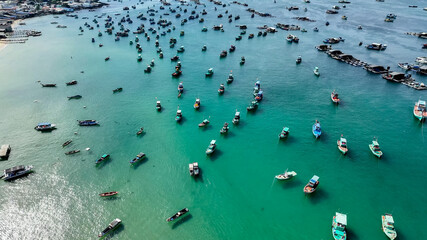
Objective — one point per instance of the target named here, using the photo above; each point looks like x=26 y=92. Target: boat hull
x=377 y=154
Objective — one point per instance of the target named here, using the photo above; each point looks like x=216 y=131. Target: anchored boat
x=210 y=72
x=111 y=227
x=286 y=175
x=224 y=128
x=140 y=131
x=108 y=194
x=178 y=215
x=375 y=148
x=211 y=148
x=221 y=88
x=339 y=223
x=342 y=145
x=316 y=71
x=316 y=129
x=312 y=184
x=138 y=158
x=45 y=127
x=74 y=82
x=75 y=97
x=388 y=226
x=204 y=123
x=194 y=169
x=117 y=90
x=236 y=118
x=197 y=104
x=16 y=172
x=158 y=106
x=253 y=106
x=230 y=78
x=178 y=116
x=334 y=97
x=72 y=152
x=420 y=111
x=88 y=122
x=284 y=133
x=102 y=159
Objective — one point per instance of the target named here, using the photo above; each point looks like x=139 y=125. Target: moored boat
x=158 y=106
x=342 y=145
x=138 y=158
x=204 y=123
x=111 y=227
x=286 y=175
x=108 y=194
x=221 y=88
x=178 y=215
x=375 y=148
x=339 y=224
x=48 y=84
x=334 y=97
x=316 y=129
x=420 y=111
x=75 y=97
x=140 y=131
x=252 y=106
x=197 y=104
x=299 y=60
x=102 y=159
x=242 y=60
x=178 y=116
x=316 y=71
x=45 y=127
x=376 y=46
x=194 y=169
x=210 y=72
x=117 y=90
x=211 y=148
x=74 y=82
x=88 y=122
x=236 y=118
x=72 y=152
x=388 y=226
x=66 y=143
x=224 y=128
x=230 y=78
x=284 y=133
x=312 y=185
x=16 y=172
x=180 y=89
x=204 y=48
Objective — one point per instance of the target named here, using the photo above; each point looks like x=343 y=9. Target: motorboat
x=242 y=60
x=316 y=71
x=108 y=194
x=259 y=96
x=312 y=185
x=204 y=48
x=388 y=226
x=180 y=49
x=111 y=227
x=221 y=88
x=299 y=60
x=284 y=133
x=48 y=84
x=178 y=116
x=16 y=172
x=204 y=29
x=140 y=131
x=376 y=46
x=174 y=58
x=230 y=78
x=72 y=152
x=224 y=128
x=180 y=88
x=420 y=111
x=253 y=106
x=342 y=145
x=178 y=215
x=75 y=97
x=316 y=129
x=88 y=122
x=177 y=73
x=421 y=60
x=204 y=123
x=74 y=82
x=45 y=127
x=138 y=158
x=375 y=148
x=333 y=40
x=103 y=158
x=158 y=106
x=323 y=47
x=238 y=38
x=232 y=48
x=236 y=118
x=194 y=169
x=139 y=58
x=334 y=97
x=117 y=90
x=210 y=72
x=339 y=224
x=211 y=148
x=286 y=175
x=292 y=39
x=197 y=104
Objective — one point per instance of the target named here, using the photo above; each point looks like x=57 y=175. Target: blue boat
x=138 y=158
x=317 y=130
x=88 y=122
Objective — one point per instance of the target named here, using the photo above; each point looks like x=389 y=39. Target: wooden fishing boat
x=224 y=128
x=230 y=78
x=178 y=116
x=74 y=82
x=211 y=148
x=316 y=71
x=253 y=106
x=102 y=159
x=178 y=215
x=140 y=131
x=158 y=106
x=45 y=127
x=339 y=224
x=420 y=111
x=66 y=143
x=221 y=88
x=111 y=227
x=236 y=118
x=107 y=58
x=210 y=72
x=72 y=152
x=388 y=226
x=204 y=123
x=48 y=84
x=375 y=148
x=197 y=104
x=334 y=97
x=75 y=97
x=284 y=133
x=342 y=145
x=88 y=122
x=312 y=184
x=316 y=129
x=242 y=60
x=138 y=158
x=117 y=90
x=108 y=194
x=286 y=175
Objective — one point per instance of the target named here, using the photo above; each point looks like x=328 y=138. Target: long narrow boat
x=138 y=158
x=375 y=148
x=102 y=159
x=312 y=184
x=108 y=194
x=72 y=152
x=339 y=223
x=420 y=111
x=178 y=215
x=388 y=226
x=342 y=145
x=113 y=225
x=88 y=122
x=66 y=143
x=316 y=129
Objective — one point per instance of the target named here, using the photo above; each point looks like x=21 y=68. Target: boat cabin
x=178 y=113
x=343 y=142
x=314 y=181
x=376 y=146
x=341 y=220
x=14 y=170
x=213 y=142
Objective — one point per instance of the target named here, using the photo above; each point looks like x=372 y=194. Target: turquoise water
x=236 y=197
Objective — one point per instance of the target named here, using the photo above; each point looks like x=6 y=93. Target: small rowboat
x=204 y=123
x=375 y=148
x=178 y=215
x=72 y=152
x=108 y=194
x=286 y=175
x=66 y=143
x=342 y=145
x=107 y=58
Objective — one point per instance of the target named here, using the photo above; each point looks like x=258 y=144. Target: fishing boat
x=174 y=58
x=148 y=69
x=16 y=172
x=238 y=38
x=204 y=123
x=232 y=48
x=74 y=82
x=138 y=158
x=312 y=184
x=178 y=215
x=45 y=127
x=180 y=89
x=194 y=169
x=140 y=131
x=180 y=49
x=420 y=111
x=284 y=133
x=388 y=226
x=158 y=106
x=117 y=90
x=111 y=227
x=177 y=73
x=286 y=175
x=334 y=97
x=230 y=78
x=72 y=152
x=66 y=143
x=259 y=96
x=88 y=122
x=197 y=104
x=252 y=106
x=102 y=159
x=375 y=148
x=221 y=88
x=299 y=60
x=323 y=47
x=342 y=145
x=236 y=118
x=204 y=29
x=139 y=58
x=75 y=97
x=108 y=194
x=48 y=84
x=204 y=48
x=178 y=116
x=224 y=128
x=210 y=72
x=339 y=223
x=211 y=148
x=242 y=61
x=223 y=54
x=152 y=63
x=376 y=46
x=107 y=58
x=316 y=71
x=316 y=129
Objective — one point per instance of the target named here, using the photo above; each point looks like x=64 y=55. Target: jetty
x=4 y=151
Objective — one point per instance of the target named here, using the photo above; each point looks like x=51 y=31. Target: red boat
x=334 y=97
x=108 y=194
x=312 y=185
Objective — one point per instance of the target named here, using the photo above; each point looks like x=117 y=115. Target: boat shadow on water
x=117 y=231
x=317 y=197
x=352 y=235
x=139 y=163
x=228 y=135
x=182 y=220
x=291 y=183
x=103 y=164
x=214 y=156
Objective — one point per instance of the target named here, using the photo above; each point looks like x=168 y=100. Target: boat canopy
x=260 y=93
x=213 y=142
x=341 y=218
x=420 y=102
x=397 y=75
x=375 y=143
x=104 y=156
x=178 y=112
x=44 y=124
x=237 y=114
x=14 y=169
x=314 y=179
x=158 y=102
x=389 y=218
x=376 y=67
x=286 y=129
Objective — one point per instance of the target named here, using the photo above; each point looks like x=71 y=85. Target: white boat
x=236 y=118
x=194 y=169
x=421 y=60
x=211 y=147
x=316 y=71
x=388 y=226
x=339 y=223
x=286 y=175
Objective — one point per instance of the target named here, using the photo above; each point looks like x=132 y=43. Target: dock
x=4 y=151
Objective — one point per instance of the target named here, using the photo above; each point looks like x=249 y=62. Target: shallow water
x=236 y=196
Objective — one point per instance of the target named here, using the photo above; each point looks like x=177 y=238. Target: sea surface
x=236 y=196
